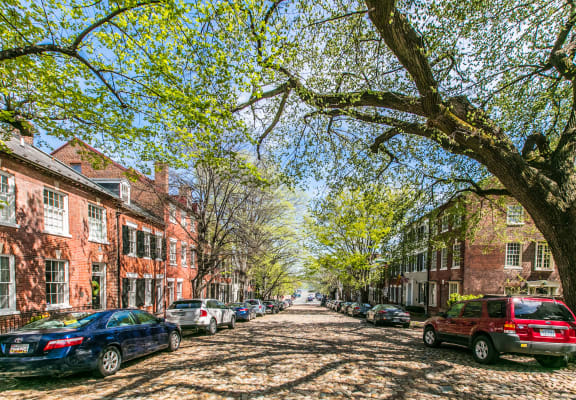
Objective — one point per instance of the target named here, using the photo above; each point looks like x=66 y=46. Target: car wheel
x=174 y=341
x=232 y=323
x=483 y=350
x=109 y=361
x=551 y=361
x=430 y=337
x=212 y=328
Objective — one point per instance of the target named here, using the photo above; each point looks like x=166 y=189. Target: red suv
x=541 y=327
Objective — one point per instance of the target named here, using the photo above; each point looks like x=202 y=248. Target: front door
x=160 y=295
x=98 y=286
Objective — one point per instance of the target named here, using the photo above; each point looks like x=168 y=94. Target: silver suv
x=206 y=314
x=258 y=306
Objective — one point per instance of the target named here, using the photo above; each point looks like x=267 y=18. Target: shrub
x=455 y=298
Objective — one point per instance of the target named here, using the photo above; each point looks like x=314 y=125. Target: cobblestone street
x=308 y=352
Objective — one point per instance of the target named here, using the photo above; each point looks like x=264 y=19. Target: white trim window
x=179 y=289
x=172 y=213
x=97 y=224
x=445 y=222
x=132 y=291
x=147 y=250
x=456 y=256
x=515 y=214
x=159 y=245
x=7 y=199
x=192 y=257
x=173 y=243
x=183 y=250
x=543 y=260
x=453 y=287
x=170 y=290
x=433 y=260
x=132 y=241
x=57 y=288
x=444 y=258
x=7 y=284
x=125 y=191
x=513 y=255
x=148 y=291
x=183 y=219
x=432 y=293
x=55 y=212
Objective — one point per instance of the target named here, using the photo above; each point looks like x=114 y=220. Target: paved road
x=309 y=352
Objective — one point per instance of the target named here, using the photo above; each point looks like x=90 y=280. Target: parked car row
x=380 y=314
x=67 y=343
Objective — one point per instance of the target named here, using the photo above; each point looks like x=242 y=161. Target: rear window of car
x=58 y=321
x=253 y=302
x=237 y=305
x=544 y=310
x=180 y=305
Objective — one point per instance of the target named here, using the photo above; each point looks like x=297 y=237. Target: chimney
x=29 y=139
x=161 y=176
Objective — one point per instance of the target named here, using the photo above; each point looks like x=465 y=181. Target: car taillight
x=243 y=309
x=381 y=312
x=203 y=313
x=60 y=343
x=356 y=308
x=509 y=327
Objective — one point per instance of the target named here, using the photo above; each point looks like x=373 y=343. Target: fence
x=10 y=323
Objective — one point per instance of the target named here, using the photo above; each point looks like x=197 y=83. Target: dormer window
x=120 y=187
x=125 y=191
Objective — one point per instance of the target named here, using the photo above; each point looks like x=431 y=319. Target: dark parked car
x=388 y=314
x=244 y=311
x=271 y=307
x=541 y=327
x=67 y=343
x=358 y=309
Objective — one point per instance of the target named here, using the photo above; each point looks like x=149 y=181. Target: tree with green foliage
x=350 y=228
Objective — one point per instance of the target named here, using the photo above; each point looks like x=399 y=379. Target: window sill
x=98 y=241
x=9 y=224
x=512 y=267
x=544 y=269
x=51 y=307
x=444 y=269
x=66 y=235
x=458 y=267
x=9 y=312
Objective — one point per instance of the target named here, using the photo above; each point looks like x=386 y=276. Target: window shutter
x=153 y=254
x=125 y=240
x=163 y=250
x=125 y=294
x=140 y=292
x=140 y=244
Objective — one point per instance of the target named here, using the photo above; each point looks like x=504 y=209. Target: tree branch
x=274 y=121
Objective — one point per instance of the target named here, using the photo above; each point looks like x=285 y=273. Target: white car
x=206 y=314
x=258 y=306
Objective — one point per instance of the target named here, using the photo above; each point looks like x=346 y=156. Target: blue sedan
x=67 y=343
x=244 y=311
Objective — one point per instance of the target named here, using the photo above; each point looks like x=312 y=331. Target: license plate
x=19 y=348
x=548 y=332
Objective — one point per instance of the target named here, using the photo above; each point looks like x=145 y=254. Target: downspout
x=119 y=288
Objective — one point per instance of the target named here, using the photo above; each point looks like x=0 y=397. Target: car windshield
x=179 y=305
x=253 y=302
x=544 y=310
x=58 y=321
x=236 y=305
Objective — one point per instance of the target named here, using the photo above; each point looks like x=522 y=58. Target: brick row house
x=471 y=246
x=74 y=237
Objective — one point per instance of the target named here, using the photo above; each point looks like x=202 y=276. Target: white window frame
x=514 y=214
x=172 y=213
x=97 y=228
x=148 y=290
x=173 y=251
x=508 y=256
x=541 y=255
x=66 y=286
x=50 y=210
x=192 y=257
x=132 y=291
x=183 y=258
x=8 y=199
x=456 y=256
x=434 y=260
x=444 y=258
x=170 y=289
x=131 y=241
x=432 y=294
x=445 y=223
x=11 y=285
x=179 y=288
x=124 y=191
x=183 y=217
x=159 y=245
x=451 y=286
x=146 y=244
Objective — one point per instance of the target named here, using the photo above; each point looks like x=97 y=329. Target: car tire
x=483 y=350
x=109 y=361
x=232 y=323
x=430 y=337
x=212 y=327
x=551 y=361
x=174 y=341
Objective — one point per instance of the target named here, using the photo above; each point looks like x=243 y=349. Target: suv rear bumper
x=507 y=343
